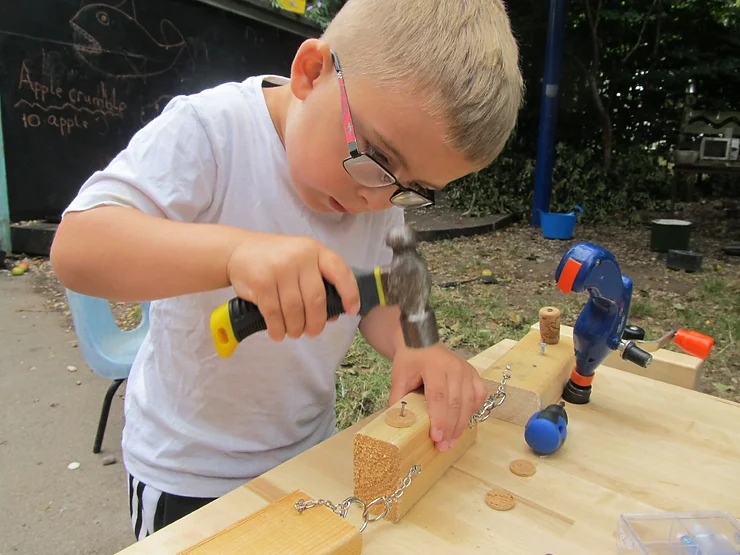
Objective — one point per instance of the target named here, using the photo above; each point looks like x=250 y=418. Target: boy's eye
x=377 y=154
x=415 y=186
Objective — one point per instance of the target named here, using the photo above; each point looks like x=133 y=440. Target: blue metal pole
x=5 y=243
x=548 y=110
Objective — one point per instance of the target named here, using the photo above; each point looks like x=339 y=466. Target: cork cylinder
x=550 y=325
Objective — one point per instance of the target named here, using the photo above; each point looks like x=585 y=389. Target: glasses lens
x=364 y=170
x=410 y=199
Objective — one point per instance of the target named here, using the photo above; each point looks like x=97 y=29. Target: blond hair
x=459 y=55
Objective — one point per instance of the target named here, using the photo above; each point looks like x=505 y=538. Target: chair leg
x=104 y=414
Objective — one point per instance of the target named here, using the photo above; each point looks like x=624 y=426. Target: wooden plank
x=280 y=528
x=537 y=379
x=668 y=366
x=201 y=524
x=385 y=474
x=384 y=454
x=639 y=446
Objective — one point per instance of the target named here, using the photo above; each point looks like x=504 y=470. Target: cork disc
x=524 y=468
x=500 y=499
x=393 y=418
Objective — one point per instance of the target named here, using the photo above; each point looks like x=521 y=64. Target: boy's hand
x=453 y=389
x=284 y=275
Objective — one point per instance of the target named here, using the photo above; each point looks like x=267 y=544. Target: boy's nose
x=376 y=198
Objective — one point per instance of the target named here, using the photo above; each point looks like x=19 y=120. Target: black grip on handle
x=634 y=354
x=246 y=319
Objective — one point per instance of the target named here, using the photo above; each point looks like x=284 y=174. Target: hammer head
x=409 y=287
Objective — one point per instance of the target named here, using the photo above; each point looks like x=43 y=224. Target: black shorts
x=152 y=510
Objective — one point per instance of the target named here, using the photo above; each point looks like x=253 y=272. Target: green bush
x=637 y=181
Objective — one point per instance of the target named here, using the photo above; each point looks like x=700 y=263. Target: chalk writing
x=49 y=102
x=65 y=125
x=111 y=40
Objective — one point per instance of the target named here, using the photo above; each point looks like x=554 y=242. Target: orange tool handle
x=694 y=343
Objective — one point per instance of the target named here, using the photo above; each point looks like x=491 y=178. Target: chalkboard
x=79 y=78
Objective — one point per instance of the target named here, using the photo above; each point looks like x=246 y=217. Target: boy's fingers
x=435 y=391
x=481 y=392
x=291 y=305
x=399 y=388
x=268 y=303
x=314 y=300
x=469 y=398
x=340 y=275
x=454 y=407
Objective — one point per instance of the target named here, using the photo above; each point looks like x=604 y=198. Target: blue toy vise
x=598 y=330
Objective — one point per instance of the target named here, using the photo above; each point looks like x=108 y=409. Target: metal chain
x=343 y=508
x=493 y=401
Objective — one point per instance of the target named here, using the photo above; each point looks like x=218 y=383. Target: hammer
x=404 y=283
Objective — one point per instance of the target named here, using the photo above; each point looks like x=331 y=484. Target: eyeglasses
x=368 y=171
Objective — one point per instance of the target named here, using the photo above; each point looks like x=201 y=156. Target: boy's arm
x=140 y=230
x=130 y=235
x=127 y=255
x=381 y=328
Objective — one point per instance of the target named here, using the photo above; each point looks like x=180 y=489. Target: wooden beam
x=280 y=528
x=537 y=380
x=386 y=449
x=668 y=366
x=384 y=454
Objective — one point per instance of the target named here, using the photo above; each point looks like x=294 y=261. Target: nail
x=403 y=406
x=437 y=435
x=444 y=446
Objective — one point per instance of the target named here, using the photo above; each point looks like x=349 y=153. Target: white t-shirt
x=197 y=424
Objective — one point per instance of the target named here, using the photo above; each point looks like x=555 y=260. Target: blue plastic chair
x=108 y=350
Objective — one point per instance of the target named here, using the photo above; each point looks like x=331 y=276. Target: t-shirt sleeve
x=167 y=170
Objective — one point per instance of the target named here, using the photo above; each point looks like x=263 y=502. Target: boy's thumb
x=399 y=388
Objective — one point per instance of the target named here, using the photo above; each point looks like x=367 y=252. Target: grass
x=473 y=317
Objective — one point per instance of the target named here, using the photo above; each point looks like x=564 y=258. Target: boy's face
x=388 y=125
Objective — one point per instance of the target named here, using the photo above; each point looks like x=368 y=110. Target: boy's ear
x=312 y=60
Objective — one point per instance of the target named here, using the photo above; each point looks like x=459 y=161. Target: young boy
x=263 y=191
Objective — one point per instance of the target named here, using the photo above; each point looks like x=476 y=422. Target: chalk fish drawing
x=111 y=40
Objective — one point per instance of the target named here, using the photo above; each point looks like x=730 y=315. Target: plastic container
x=688 y=261
x=690 y=533
x=559 y=226
x=666 y=235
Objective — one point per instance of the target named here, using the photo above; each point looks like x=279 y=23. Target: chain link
x=493 y=401
x=343 y=508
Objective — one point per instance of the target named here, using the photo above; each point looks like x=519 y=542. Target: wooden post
x=667 y=366
x=280 y=528
x=385 y=451
x=537 y=379
x=387 y=447
x=5 y=242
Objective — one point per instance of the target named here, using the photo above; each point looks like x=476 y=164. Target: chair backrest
x=108 y=350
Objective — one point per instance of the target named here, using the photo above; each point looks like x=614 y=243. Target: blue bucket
x=559 y=226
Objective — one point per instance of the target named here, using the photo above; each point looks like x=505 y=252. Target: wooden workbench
x=641 y=445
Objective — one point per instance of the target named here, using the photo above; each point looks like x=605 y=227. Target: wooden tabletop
x=640 y=445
